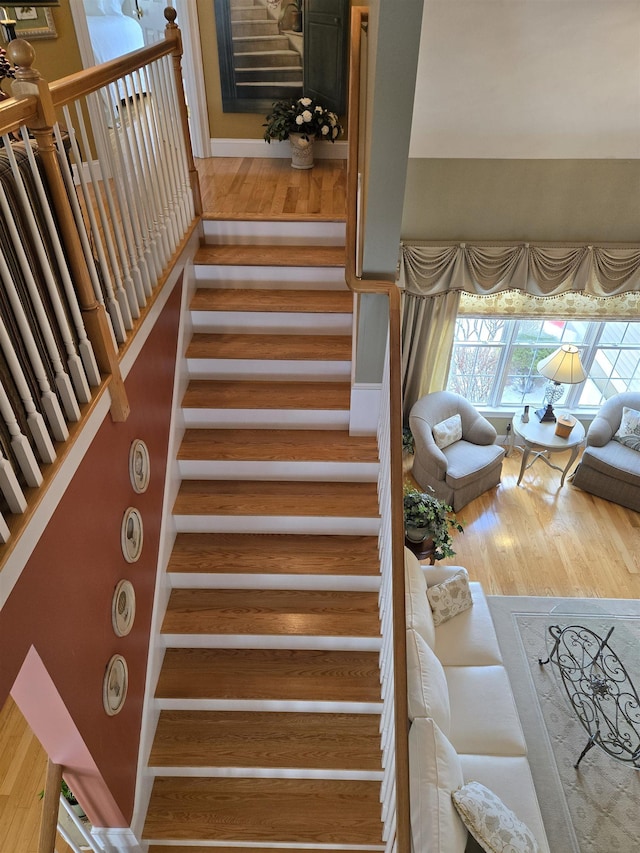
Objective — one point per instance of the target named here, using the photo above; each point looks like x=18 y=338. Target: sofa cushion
x=447 y=431
x=483 y=714
x=496 y=828
x=427 y=693
x=510 y=778
x=417 y=610
x=434 y=773
x=629 y=430
x=469 y=639
x=450 y=597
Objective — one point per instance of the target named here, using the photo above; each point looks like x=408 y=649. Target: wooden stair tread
x=282 y=612
x=269 y=346
x=277 y=498
x=280 y=444
x=271 y=256
x=270 y=674
x=272 y=553
x=313 y=811
x=298 y=301
x=266 y=739
x=243 y=394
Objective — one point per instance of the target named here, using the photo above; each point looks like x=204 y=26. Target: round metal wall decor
x=131 y=535
x=123 y=608
x=115 y=685
x=139 y=468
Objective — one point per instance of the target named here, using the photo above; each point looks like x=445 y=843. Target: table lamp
x=562 y=367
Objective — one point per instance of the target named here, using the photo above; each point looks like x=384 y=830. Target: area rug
x=596 y=808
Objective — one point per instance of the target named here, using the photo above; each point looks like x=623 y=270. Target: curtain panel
x=533 y=269
x=524 y=280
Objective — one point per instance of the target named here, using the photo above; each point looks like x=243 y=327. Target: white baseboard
x=260 y=148
x=116 y=840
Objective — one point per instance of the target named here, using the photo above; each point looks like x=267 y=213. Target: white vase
x=415 y=534
x=301 y=151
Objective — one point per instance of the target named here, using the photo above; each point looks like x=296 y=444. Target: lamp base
x=546 y=415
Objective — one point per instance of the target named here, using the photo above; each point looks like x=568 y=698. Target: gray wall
x=528 y=200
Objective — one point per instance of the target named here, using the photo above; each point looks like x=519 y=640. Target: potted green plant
x=427 y=517
x=7 y=71
x=301 y=122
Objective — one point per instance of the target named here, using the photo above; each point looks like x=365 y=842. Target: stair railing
x=395 y=785
x=99 y=196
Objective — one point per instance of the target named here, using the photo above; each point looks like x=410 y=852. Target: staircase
x=264 y=61
x=269 y=694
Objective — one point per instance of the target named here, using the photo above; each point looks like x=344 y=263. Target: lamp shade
x=563 y=366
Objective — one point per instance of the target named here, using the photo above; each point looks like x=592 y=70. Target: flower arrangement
x=435 y=516
x=304 y=116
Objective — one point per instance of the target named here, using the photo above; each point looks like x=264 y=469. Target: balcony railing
x=98 y=196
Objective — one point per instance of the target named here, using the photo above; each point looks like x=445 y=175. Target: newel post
x=172 y=32
x=28 y=82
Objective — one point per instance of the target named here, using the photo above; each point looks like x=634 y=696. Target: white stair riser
x=237 y=322
x=346 y=472
x=260 y=641
x=262 y=232
x=241 y=368
x=270 y=278
x=220 y=580
x=276 y=524
x=268 y=705
x=267 y=418
x=265 y=773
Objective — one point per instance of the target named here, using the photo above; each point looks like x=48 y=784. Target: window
x=494 y=360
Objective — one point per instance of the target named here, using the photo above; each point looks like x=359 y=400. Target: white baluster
x=99 y=183
x=63 y=383
x=10 y=487
x=35 y=421
x=88 y=358
x=4 y=531
x=111 y=302
x=20 y=443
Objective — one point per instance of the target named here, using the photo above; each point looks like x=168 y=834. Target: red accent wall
x=62 y=603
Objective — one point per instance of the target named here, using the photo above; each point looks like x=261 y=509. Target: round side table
x=541 y=439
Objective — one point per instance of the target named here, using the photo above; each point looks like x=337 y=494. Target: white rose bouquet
x=304 y=116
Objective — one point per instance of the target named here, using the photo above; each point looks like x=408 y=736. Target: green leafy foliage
x=424 y=510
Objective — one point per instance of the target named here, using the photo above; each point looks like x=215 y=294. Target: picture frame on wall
x=33 y=22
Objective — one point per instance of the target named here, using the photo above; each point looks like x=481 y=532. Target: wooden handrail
x=359 y=14
x=82 y=83
x=50 y=807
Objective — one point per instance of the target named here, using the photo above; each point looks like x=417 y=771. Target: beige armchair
x=466 y=467
x=608 y=468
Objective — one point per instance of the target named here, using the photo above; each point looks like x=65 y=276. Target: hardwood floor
x=254 y=188
x=540 y=539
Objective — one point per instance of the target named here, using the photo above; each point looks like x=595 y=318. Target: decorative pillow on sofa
x=492 y=824
x=450 y=597
x=427 y=691
x=629 y=430
x=446 y=432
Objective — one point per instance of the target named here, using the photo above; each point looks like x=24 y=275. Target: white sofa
x=464 y=723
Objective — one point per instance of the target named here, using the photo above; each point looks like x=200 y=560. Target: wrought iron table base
x=599 y=690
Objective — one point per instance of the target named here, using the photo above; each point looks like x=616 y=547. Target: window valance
x=538 y=270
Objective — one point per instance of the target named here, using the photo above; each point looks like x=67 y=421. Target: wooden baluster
x=172 y=31
x=29 y=82
x=50 y=806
